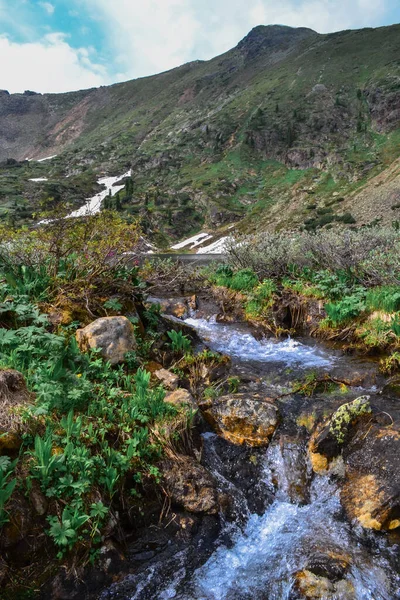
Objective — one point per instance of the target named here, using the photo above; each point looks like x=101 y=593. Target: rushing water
x=241 y=344
x=258 y=558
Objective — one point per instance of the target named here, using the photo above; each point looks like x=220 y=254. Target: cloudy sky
x=62 y=45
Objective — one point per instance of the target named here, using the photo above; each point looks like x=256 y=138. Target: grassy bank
x=352 y=276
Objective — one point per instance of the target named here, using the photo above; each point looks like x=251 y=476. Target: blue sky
x=61 y=45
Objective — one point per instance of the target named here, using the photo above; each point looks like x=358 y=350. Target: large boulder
x=244 y=418
x=371 y=491
x=367 y=446
x=114 y=336
x=190 y=486
x=332 y=435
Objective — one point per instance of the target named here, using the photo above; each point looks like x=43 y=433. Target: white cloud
x=324 y=16
x=154 y=35
x=151 y=36
x=49 y=8
x=50 y=65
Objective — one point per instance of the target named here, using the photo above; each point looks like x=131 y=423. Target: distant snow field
x=39 y=179
x=93 y=205
x=195 y=240
x=217 y=247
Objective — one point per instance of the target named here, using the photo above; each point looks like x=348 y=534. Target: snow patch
x=93 y=205
x=46 y=158
x=39 y=179
x=217 y=247
x=195 y=239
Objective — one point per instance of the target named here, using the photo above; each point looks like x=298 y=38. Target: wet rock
x=179 y=397
x=192 y=302
x=368 y=450
x=371 y=491
x=244 y=419
x=332 y=564
x=316 y=587
x=111 y=559
x=113 y=335
x=169 y=380
x=190 y=485
x=176 y=307
x=330 y=437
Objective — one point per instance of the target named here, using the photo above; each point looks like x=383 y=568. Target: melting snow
x=195 y=240
x=214 y=248
x=93 y=205
x=46 y=158
x=39 y=179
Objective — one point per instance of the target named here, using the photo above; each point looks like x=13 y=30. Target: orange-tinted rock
x=181 y=397
x=371 y=492
x=244 y=419
x=113 y=335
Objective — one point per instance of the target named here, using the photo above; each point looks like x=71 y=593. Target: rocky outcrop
x=371 y=491
x=114 y=336
x=365 y=451
x=190 y=486
x=244 y=418
x=329 y=438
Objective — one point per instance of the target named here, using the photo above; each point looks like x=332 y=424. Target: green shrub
x=345 y=310
x=243 y=281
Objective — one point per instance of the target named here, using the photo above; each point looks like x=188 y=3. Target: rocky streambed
x=296 y=496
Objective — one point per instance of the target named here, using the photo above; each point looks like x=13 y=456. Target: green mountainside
x=289 y=129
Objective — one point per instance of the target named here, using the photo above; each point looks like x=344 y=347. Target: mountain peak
x=273 y=37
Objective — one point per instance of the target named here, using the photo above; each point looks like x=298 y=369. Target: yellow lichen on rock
x=363 y=498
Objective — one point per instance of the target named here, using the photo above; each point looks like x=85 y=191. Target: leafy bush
x=344 y=310
x=371 y=256
x=243 y=280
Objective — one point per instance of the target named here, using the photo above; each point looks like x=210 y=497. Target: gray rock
x=113 y=335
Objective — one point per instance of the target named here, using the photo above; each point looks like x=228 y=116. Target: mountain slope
x=288 y=120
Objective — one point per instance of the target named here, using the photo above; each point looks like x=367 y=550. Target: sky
x=65 y=45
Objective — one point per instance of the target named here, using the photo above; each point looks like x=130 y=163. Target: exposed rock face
x=113 y=335
x=244 y=419
x=371 y=492
x=369 y=453
x=191 y=486
x=327 y=441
